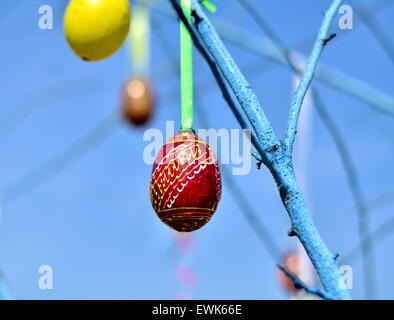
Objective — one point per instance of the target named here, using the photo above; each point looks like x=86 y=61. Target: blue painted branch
x=302 y=225
x=309 y=72
x=344 y=153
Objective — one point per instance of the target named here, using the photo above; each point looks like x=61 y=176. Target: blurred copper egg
x=138 y=101
x=292 y=262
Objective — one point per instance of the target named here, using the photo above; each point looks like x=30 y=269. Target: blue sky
x=93 y=222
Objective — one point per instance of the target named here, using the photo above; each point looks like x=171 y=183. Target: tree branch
x=351 y=174
x=298 y=284
x=309 y=72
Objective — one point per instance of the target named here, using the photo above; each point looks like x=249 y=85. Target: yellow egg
x=95 y=29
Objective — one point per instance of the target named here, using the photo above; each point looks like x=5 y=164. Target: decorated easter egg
x=186 y=185
x=138 y=101
x=95 y=29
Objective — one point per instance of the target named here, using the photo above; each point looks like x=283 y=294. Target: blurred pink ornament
x=186 y=276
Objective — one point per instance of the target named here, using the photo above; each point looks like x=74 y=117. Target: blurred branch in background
x=358 y=196
x=30 y=103
x=381 y=232
x=374 y=27
x=13 y=116
x=60 y=161
x=4 y=11
x=335 y=78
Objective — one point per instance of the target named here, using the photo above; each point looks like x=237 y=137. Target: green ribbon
x=208 y=5
x=186 y=69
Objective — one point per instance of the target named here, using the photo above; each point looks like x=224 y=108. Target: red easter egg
x=186 y=186
x=138 y=101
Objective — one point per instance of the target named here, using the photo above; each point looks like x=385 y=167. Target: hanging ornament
x=96 y=29
x=292 y=262
x=186 y=276
x=138 y=101
x=186 y=185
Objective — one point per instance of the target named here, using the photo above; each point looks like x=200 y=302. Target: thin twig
x=298 y=284
x=308 y=74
